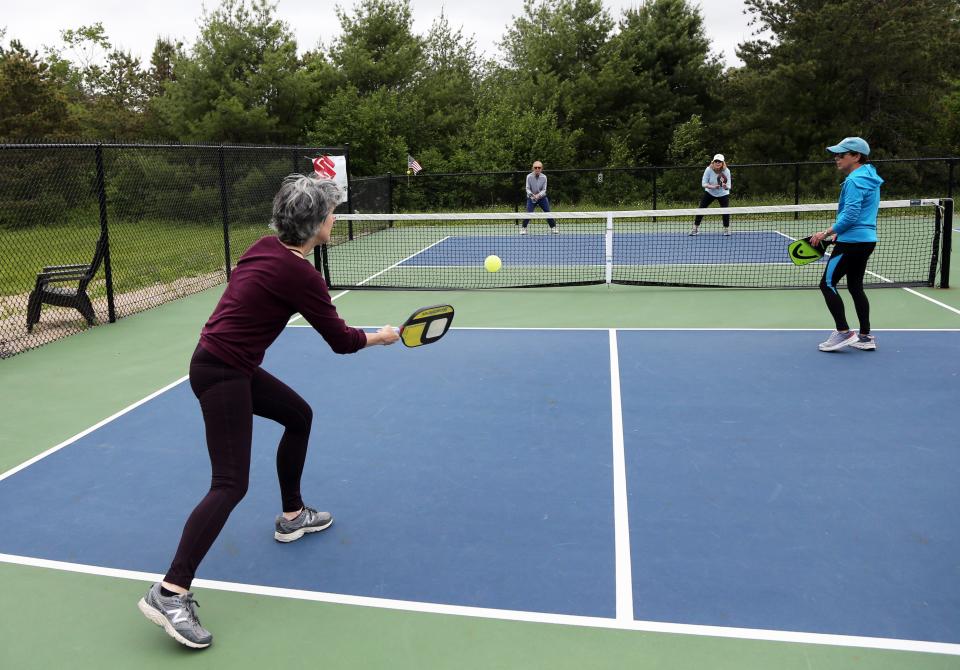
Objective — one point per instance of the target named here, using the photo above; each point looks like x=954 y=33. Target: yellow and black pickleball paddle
x=426 y=325
x=802 y=252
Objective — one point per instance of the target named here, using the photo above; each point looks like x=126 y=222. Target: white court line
x=935 y=302
x=908 y=290
x=511 y=615
x=682 y=329
x=624 y=606
x=89 y=430
x=343 y=293
x=621 y=519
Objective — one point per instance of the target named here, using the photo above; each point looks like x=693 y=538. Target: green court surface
x=57 y=618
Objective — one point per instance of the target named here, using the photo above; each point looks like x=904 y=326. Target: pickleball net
x=647 y=247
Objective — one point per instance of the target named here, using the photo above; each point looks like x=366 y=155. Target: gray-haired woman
x=271 y=282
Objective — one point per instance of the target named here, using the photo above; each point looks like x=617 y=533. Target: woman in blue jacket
x=856 y=237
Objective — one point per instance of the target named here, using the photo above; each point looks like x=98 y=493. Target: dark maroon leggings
x=229 y=399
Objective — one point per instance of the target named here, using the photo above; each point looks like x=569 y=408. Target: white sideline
x=890 y=644
x=621 y=518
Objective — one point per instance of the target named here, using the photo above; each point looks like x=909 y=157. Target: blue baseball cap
x=857 y=144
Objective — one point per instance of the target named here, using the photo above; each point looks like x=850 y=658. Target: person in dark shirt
x=271 y=282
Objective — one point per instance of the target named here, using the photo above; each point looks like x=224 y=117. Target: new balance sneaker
x=726 y=232
x=177 y=615
x=555 y=230
x=694 y=231
x=523 y=231
x=865 y=343
x=309 y=521
x=838 y=340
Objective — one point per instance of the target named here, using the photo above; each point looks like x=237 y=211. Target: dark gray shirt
x=536 y=185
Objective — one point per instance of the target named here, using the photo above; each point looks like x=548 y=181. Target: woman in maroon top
x=271 y=282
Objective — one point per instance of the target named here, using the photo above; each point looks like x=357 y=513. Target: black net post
x=104 y=232
x=224 y=211
x=946 y=242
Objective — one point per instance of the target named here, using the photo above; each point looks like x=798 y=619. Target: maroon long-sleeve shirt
x=268 y=286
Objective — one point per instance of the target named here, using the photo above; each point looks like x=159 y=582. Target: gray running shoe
x=555 y=230
x=309 y=521
x=177 y=615
x=838 y=340
x=523 y=231
x=694 y=231
x=865 y=343
x=726 y=232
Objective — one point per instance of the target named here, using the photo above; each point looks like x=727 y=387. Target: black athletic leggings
x=229 y=399
x=848 y=259
x=705 y=202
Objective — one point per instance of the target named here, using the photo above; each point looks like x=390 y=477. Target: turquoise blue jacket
x=858 y=207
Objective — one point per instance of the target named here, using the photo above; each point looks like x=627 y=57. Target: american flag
x=412 y=164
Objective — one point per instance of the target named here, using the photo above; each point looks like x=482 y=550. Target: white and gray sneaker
x=177 y=615
x=694 y=231
x=309 y=521
x=865 y=343
x=523 y=230
x=838 y=340
x=555 y=230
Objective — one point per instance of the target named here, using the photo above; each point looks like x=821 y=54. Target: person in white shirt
x=716 y=183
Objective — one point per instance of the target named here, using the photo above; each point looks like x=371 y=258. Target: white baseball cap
x=719 y=157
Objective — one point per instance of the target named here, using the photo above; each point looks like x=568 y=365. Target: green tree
x=106 y=87
x=32 y=106
x=444 y=96
x=510 y=137
x=554 y=53
x=243 y=82
x=369 y=123
x=659 y=74
x=832 y=68
x=377 y=47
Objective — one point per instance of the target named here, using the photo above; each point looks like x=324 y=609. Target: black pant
x=229 y=399
x=848 y=259
x=705 y=202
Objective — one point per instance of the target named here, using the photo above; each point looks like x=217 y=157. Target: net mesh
x=447 y=251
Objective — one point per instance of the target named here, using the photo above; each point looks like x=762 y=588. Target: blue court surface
x=628 y=249
x=768 y=485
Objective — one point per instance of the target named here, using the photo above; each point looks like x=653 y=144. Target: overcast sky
x=134 y=26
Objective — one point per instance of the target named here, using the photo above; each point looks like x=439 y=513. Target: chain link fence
x=96 y=232
x=656 y=187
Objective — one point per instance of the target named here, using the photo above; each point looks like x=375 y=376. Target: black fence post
x=346 y=158
x=654 y=173
x=224 y=212
x=796 y=188
x=520 y=188
x=104 y=232
x=946 y=244
x=390 y=194
x=950 y=179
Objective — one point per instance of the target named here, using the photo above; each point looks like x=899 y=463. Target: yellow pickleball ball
x=492 y=263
